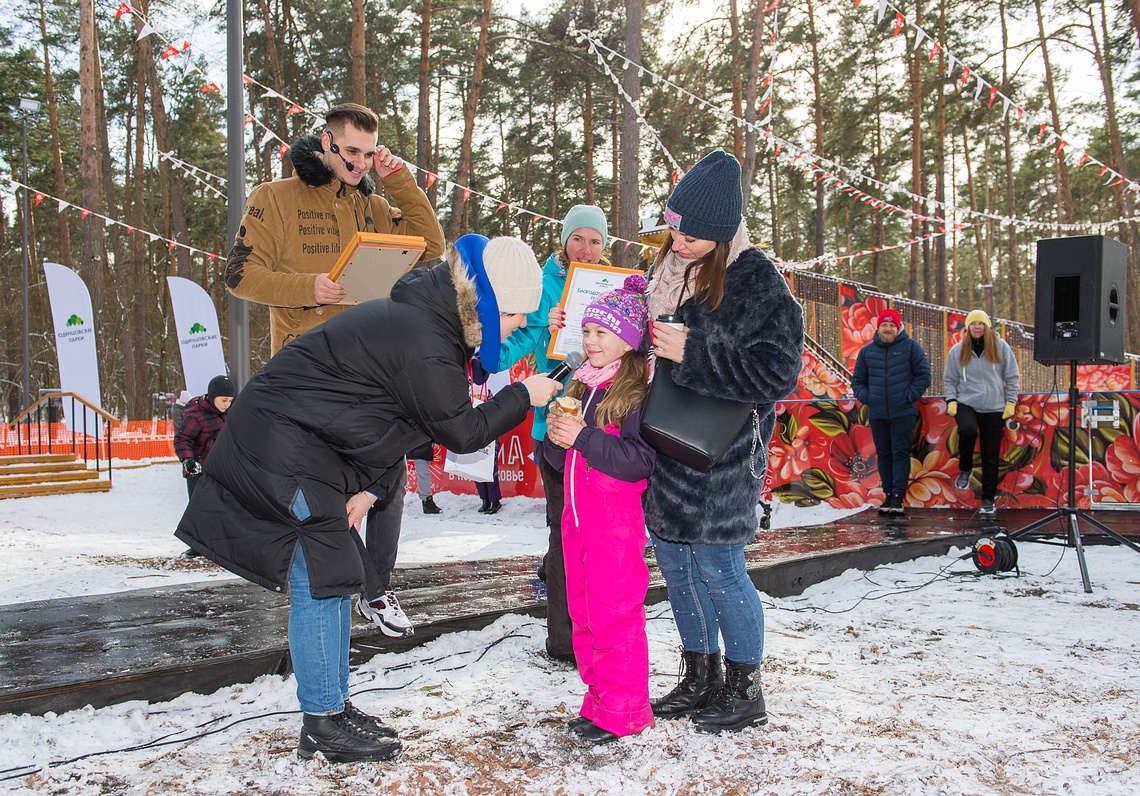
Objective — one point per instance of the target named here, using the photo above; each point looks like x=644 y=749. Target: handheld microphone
x=567 y=366
x=348 y=164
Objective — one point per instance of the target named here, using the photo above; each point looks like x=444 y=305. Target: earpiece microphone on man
x=348 y=164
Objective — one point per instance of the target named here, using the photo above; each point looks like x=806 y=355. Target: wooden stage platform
x=155 y=644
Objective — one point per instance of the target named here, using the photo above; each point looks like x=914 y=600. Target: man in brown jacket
x=291 y=236
x=294 y=229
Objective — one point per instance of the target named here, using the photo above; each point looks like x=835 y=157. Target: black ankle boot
x=738 y=704
x=702 y=678
x=341 y=741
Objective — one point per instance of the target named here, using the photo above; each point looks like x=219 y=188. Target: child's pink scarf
x=592 y=377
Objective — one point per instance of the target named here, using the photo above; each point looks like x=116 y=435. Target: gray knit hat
x=707 y=203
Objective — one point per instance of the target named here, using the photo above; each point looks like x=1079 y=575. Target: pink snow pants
x=603 y=540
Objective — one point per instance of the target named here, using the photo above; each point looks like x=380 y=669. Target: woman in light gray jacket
x=982 y=379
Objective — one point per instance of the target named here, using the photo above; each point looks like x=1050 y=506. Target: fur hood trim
x=466 y=300
x=306 y=156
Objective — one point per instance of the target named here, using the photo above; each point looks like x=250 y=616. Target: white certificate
x=584 y=283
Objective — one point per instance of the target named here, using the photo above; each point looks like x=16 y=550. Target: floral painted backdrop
x=822 y=452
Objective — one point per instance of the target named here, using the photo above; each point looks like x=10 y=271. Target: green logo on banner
x=74 y=320
x=197 y=328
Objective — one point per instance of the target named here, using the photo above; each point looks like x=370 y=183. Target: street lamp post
x=27 y=108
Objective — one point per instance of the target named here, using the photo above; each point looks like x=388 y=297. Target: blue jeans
x=319 y=636
x=893 y=448
x=711 y=595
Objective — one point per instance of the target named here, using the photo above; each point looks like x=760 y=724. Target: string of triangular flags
x=986 y=91
x=837 y=259
x=194 y=172
x=63 y=204
x=147 y=28
x=826 y=170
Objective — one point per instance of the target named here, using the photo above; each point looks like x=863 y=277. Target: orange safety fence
x=130 y=439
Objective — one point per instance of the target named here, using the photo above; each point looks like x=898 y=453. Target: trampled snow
x=917 y=678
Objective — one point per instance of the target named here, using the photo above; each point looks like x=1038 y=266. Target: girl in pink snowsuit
x=605 y=464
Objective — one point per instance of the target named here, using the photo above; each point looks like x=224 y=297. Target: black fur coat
x=749 y=349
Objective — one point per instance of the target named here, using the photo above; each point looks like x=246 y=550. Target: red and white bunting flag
x=934 y=50
x=62 y=206
x=764 y=105
x=246 y=80
x=170 y=246
x=39 y=198
x=467 y=194
x=882 y=10
x=130 y=229
x=993 y=96
x=767 y=79
x=294 y=109
x=210 y=87
x=1020 y=113
x=501 y=206
x=1117 y=181
x=186 y=45
x=122 y=9
x=536 y=217
x=283 y=150
x=1103 y=169
x=145 y=31
x=169 y=52
x=857 y=2
x=965 y=75
x=774 y=5
x=1084 y=159
x=248 y=119
x=1060 y=147
x=84 y=212
x=213 y=256
x=899 y=20
x=1041 y=133
x=431 y=178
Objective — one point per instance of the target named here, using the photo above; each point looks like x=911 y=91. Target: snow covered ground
x=917 y=678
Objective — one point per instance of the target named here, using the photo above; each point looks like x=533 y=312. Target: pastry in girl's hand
x=566 y=407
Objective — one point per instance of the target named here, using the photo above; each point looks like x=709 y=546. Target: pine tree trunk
x=941 y=276
x=817 y=119
x=277 y=71
x=423 y=117
x=134 y=334
x=64 y=241
x=979 y=243
x=1125 y=207
x=628 y=221
x=1064 y=195
x=751 y=92
x=1012 y=271
x=357 y=89
x=737 y=84
x=914 y=64
x=92 y=264
x=588 y=140
x=463 y=175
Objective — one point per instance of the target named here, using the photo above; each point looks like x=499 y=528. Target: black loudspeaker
x=1080 y=300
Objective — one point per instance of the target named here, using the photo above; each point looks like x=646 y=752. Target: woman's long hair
x=626 y=393
x=991 y=349
x=708 y=286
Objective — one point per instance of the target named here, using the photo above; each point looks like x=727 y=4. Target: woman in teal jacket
x=584 y=238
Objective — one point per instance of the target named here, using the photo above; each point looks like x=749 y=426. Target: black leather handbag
x=686 y=426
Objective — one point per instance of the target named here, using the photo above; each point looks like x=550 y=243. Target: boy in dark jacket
x=891 y=374
x=202 y=421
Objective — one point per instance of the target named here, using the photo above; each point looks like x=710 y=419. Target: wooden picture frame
x=372 y=262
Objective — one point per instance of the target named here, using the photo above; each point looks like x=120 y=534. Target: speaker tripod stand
x=1071 y=513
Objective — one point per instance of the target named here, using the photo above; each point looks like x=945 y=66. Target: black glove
x=191 y=467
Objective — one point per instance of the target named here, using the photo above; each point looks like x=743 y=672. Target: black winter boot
x=340 y=740
x=738 y=704
x=702 y=678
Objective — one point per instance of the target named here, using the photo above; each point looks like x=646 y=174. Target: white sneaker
x=386 y=612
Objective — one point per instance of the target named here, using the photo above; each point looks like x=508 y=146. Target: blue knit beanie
x=585 y=217
x=707 y=203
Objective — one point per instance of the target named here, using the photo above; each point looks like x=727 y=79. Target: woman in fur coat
x=742 y=339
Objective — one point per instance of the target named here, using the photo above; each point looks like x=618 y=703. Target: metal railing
x=40 y=429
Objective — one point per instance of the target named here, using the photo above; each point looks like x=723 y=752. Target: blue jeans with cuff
x=711 y=595
x=320 y=631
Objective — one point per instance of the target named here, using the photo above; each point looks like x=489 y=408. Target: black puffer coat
x=328 y=417
x=749 y=349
